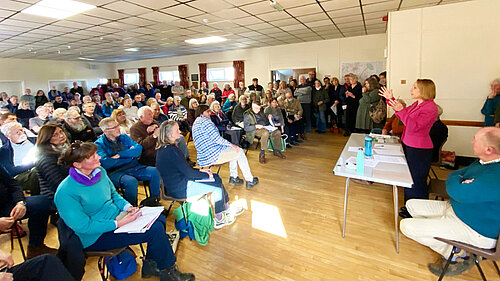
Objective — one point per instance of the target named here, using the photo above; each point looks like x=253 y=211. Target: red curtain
x=203 y=73
x=183 y=74
x=121 y=76
x=156 y=75
x=142 y=76
x=239 y=72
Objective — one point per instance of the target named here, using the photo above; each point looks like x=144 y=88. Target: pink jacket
x=418 y=120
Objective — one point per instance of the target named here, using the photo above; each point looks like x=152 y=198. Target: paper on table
x=354 y=148
x=143 y=222
x=387 y=146
x=388 y=152
x=368 y=162
x=389 y=159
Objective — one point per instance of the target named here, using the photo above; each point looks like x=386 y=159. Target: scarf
x=95 y=176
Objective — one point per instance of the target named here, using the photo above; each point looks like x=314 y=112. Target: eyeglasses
x=112 y=128
x=76 y=118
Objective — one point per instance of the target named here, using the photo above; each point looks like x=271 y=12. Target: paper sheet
x=389 y=159
x=270 y=128
x=368 y=163
x=143 y=222
x=388 y=152
x=334 y=108
x=387 y=146
x=354 y=148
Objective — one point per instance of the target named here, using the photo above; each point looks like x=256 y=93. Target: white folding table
x=385 y=173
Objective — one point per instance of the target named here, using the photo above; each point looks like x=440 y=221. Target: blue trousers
x=158 y=248
x=306 y=107
x=43 y=268
x=419 y=163
x=320 y=121
x=128 y=181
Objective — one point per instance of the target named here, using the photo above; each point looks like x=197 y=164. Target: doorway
x=285 y=74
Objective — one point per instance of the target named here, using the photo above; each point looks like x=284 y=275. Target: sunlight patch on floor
x=267 y=218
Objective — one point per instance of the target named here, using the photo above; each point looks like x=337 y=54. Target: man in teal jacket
x=472 y=215
x=119 y=154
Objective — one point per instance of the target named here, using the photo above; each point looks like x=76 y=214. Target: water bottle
x=360 y=162
x=368 y=146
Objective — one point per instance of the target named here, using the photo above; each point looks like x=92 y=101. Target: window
x=131 y=78
x=169 y=76
x=220 y=74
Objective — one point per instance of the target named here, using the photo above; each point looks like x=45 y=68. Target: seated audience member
x=227 y=91
x=203 y=89
x=282 y=90
x=50 y=144
x=194 y=92
x=180 y=179
x=229 y=105
x=13 y=105
x=157 y=114
x=393 y=125
x=273 y=112
x=29 y=98
x=238 y=111
x=213 y=149
x=241 y=88
x=223 y=124
x=119 y=156
x=42 y=268
x=191 y=116
x=471 y=214
x=4 y=99
x=178 y=113
x=159 y=100
x=37 y=122
x=185 y=100
x=170 y=101
x=50 y=108
x=130 y=110
x=53 y=93
x=108 y=105
x=91 y=118
x=294 y=117
x=24 y=114
x=491 y=103
x=117 y=89
x=4 y=119
x=14 y=206
x=165 y=90
x=40 y=98
x=267 y=98
x=75 y=128
x=87 y=189
x=270 y=88
x=138 y=101
x=216 y=92
x=66 y=95
x=58 y=116
x=256 y=88
x=210 y=99
x=149 y=92
x=178 y=89
x=203 y=99
x=125 y=124
x=59 y=103
x=254 y=122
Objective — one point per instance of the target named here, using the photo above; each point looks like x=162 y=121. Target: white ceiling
x=159 y=27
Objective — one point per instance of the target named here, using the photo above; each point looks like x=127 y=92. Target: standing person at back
x=353 y=94
x=304 y=96
x=28 y=97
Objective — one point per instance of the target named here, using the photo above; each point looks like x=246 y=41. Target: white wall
x=325 y=56
x=36 y=73
x=455 y=45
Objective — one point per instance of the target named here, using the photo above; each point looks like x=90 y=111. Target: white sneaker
x=227 y=219
x=236 y=210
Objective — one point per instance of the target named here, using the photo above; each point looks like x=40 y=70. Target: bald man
x=472 y=214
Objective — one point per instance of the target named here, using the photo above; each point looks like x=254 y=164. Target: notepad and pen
x=209 y=179
x=143 y=222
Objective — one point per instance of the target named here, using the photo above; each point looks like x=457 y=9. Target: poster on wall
x=362 y=69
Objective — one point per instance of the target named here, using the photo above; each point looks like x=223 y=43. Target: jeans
x=419 y=163
x=219 y=194
x=306 y=107
x=158 y=249
x=320 y=121
x=127 y=180
x=43 y=268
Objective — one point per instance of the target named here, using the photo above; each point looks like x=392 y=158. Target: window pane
x=169 y=76
x=229 y=74
x=131 y=78
x=220 y=74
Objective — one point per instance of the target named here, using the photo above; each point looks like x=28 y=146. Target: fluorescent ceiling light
x=132 y=49
x=58 y=9
x=206 y=40
x=85 y=59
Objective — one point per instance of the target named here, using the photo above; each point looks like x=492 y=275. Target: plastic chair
x=490 y=254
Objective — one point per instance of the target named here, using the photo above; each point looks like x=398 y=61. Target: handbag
x=378 y=111
x=270 y=143
x=122 y=265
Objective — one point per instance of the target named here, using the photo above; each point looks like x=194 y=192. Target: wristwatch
x=22 y=202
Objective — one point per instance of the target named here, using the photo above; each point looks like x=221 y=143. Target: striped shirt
x=208 y=142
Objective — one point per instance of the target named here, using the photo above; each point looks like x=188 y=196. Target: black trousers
x=350 y=118
x=419 y=163
x=41 y=268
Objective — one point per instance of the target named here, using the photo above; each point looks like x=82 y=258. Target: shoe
x=251 y=184
x=227 y=219
x=173 y=238
x=149 y=269
x=288 y=146
x=236 y=210
x=262 y=158
x=40 y=250
x=173 y=274
x=235 y=181
x=455 y=268
x=404 y=213
x=279 y=154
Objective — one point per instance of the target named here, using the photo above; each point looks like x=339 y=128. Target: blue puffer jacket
x=124 y=146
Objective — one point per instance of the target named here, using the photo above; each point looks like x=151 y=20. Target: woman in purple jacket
x=417 y=144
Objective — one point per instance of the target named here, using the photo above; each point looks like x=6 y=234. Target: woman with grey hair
x=193 y=105
x=183 y=181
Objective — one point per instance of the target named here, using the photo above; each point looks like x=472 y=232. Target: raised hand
x=385 y=93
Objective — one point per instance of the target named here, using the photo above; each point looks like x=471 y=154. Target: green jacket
x=363 y=120
x=317 y=96
x=202 y=224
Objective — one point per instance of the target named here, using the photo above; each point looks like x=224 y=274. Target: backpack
x=378 y=111
x=122 y=265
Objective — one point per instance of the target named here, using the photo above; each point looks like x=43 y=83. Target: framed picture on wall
x=194 y=77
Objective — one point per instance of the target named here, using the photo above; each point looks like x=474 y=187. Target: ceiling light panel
x=206 y=40
x=58 y=9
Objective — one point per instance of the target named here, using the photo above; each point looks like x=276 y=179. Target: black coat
x=50 y=174
x=86 y=134
x=10 y=192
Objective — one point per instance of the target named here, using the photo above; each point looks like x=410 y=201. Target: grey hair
x=104 y=124
x=241 y=97
x=140 y=111
x=213 y=104
x=496 y=81
x=230 y=96
x=211 y=96
x=166 y=129
x=191 y=101
x=7 y=127
x=84 y=106
x=177 y=98
x=170 y=99
x=75 y=108
x=67 y=114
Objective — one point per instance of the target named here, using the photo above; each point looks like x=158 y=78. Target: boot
x=173 y=274
x=279 y=154
x=150 y=269
x=262 y=158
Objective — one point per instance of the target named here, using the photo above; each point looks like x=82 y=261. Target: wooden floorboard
x=304 y=197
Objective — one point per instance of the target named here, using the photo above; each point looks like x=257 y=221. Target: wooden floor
x=292 y=228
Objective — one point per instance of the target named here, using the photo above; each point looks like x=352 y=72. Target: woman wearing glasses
x=88 y=203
